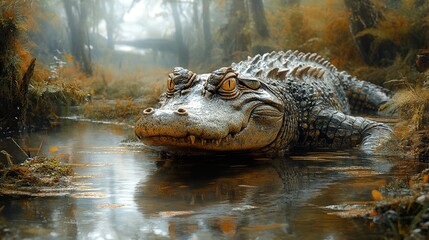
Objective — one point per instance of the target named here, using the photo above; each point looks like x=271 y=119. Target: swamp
x=87 y=150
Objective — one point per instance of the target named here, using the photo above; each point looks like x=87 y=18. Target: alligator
x=275 y=102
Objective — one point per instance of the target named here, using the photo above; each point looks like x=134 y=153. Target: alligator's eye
x=229 y=84
x=170 y=84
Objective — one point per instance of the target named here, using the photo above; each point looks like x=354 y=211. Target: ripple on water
x=89 y=195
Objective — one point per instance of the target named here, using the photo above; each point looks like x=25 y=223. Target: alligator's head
x=220 y=111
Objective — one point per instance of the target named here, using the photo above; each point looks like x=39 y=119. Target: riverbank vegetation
x=403 y=207
x=37 y=176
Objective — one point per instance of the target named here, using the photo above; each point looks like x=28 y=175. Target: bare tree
x=108 y=8
x=259 y=19
x=182 y=49
x=77 y=15
x=291 y=2
x=207 y=30
x=235 y=37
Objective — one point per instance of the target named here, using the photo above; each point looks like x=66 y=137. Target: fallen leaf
x=373 y=213
x=53 y=149
x=69 y=57
x=376 y=195
x=228 y=226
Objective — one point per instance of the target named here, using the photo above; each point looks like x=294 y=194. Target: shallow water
x=130 y=192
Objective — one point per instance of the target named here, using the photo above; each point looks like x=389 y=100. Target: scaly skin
x=275 y=102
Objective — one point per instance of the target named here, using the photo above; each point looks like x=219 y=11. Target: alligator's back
x=312 y=69
x=286 y=63
x=299 y=72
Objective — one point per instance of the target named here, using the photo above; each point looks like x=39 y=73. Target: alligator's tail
x=362 y=95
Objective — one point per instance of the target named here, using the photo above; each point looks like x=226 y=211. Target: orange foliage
x=69 y=58
x=321 y=27
x=337 y=37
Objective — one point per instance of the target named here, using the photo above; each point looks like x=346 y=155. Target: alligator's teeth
x=218 y=142
x=192 y=137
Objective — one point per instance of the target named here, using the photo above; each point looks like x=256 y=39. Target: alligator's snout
x=163 y=122
x=179 y=122
x=190 y=127
x=179 y=111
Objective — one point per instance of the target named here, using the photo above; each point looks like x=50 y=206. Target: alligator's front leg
x=336 y=129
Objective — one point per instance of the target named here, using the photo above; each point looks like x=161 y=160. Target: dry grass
x=119 y=110
x=112 y=83
x=318 y=26
x=412 y=106
x=123 y=94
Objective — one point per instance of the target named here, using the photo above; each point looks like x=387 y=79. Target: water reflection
x=129 y=192
x=248 y=198
x=210 y=197
x=52 y=217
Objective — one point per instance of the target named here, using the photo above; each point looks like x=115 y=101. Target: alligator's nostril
x=181 y=111
x=148 y=111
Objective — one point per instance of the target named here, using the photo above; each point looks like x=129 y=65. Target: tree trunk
x=291 y=2
x=364 y=16
x=235 y=37
x=182 y=48
x=76 y=19
x=84 y=33
x=207 y=30
x=109 y=11
x=258 y=15
x=195 y=12
x=23 y=93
